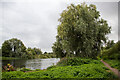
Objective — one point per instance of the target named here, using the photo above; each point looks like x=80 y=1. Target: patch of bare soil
x=115 y=71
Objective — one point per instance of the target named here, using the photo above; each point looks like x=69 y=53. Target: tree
x=30 y=53
x=6 y=49
x=57 y=48
x=109 y=44
x=82 y=31
x=13 y=48
x=113 y=52
x=37 y=51
x=33 y=52
x=45 y=53
x=0 y=52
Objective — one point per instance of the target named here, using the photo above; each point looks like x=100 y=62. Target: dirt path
x=116 y=71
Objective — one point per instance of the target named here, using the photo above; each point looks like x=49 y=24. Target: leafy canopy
x=13 y=48
x=82 y=31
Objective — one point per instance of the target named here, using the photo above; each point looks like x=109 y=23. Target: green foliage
x=45 y=52
x=114 y=63
x=47 y=55
x=25 y=69
x=75 y=61
x=0 y=52
x=33 y=53
x=53 y=66
x=8 y=58
x=13 y=74
x=83 y=68
x=37 y=53
x=81 y=31
x=38 y=70
x=13 y=48
x=109 y=44
x=82 y=71
x=57 y=48
x=112 y=53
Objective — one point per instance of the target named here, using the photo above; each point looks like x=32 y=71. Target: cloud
x=35 y=22
x=119 y=21
x=109 y=12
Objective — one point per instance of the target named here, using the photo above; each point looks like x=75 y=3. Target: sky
x=35 y=22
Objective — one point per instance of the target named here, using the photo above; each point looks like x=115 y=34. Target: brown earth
x=115 y=71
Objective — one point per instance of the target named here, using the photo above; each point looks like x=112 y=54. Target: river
x=32 y=63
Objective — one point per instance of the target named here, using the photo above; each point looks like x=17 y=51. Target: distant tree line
x=15 y=48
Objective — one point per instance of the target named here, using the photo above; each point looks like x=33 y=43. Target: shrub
x=114 y=63
x=37 y=69
x=112 y=53
x=82 y=71
x=75 y=61
x=51 y=67
x=25 y=69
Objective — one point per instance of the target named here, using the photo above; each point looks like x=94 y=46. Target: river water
x=32 y=63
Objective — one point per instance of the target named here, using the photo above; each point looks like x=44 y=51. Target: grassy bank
x=76 y=61
x=114 y=63
x=82 y=68
x=43 y=56
x=83 y=71
x=8 y=58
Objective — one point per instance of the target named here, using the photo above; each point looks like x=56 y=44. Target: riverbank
x=64 y=72
x=80 y=68
x=38 y=57
x=8 y=58
x=31 y=63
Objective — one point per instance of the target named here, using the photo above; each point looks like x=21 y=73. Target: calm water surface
x=32 y=63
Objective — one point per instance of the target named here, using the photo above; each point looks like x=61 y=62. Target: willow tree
x=57 y=48
x=82 y=30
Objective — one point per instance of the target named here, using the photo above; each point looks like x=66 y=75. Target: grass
x=7 y=58
x=75 y=61
x=83 y=71
x=87 y=69
x=114 y=63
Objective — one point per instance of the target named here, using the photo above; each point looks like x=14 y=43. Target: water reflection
x=32 y=63
x=48 y=62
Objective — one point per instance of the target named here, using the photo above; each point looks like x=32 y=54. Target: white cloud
x=35 y=21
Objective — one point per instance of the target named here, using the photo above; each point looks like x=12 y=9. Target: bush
x=74 y=61
x=25 y=69
x=37 y=69
x=82 y=71
x=51 y=67
x=114 y=63
x=112 y=53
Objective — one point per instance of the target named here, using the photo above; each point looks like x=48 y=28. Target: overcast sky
x=35 y=22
